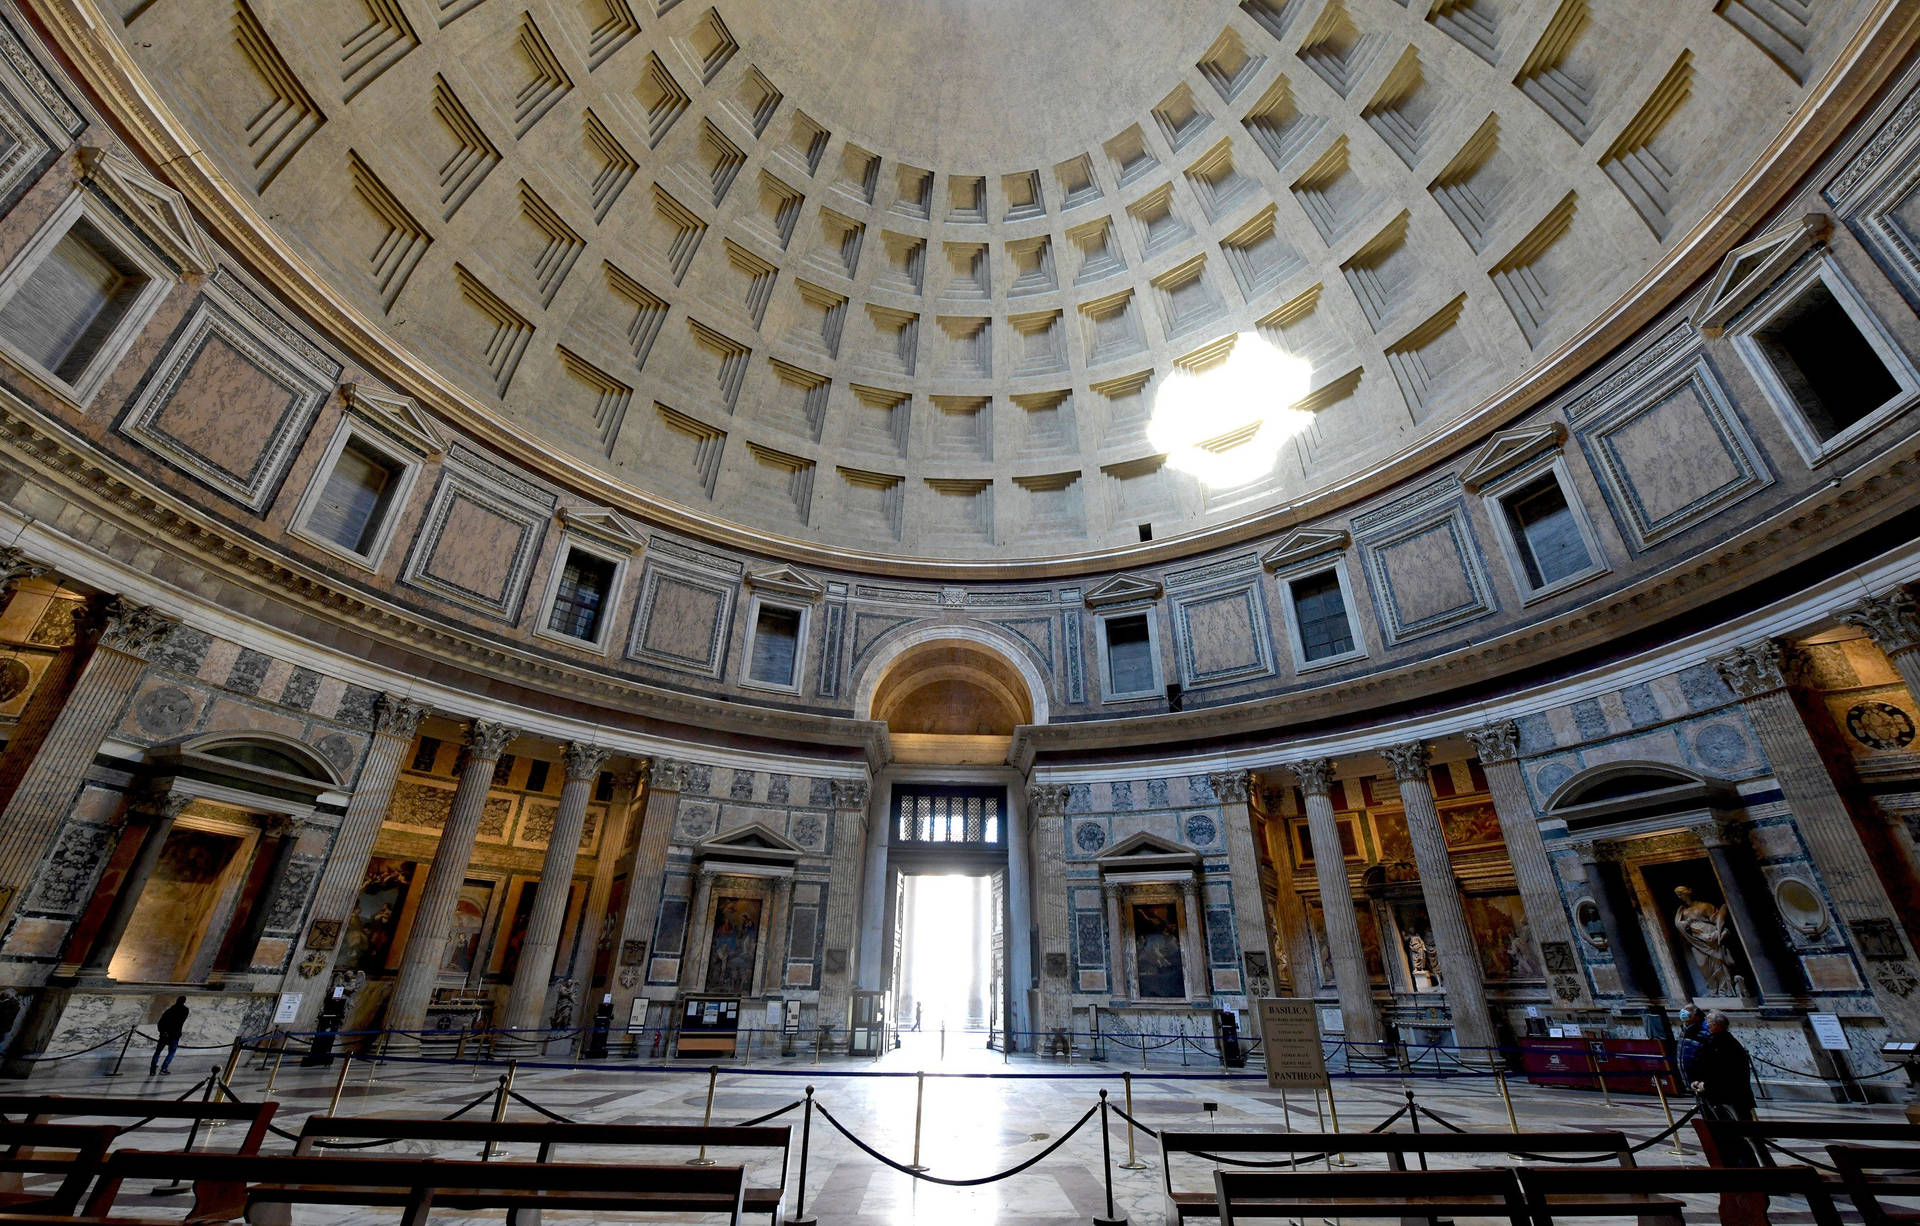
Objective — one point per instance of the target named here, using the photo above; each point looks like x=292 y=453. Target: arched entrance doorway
x=946 y=927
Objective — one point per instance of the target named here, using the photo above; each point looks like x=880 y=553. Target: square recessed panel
x=1223 y=636
x=476 y=546
x=682 y=622
x=1424 y=566
x=227 y=404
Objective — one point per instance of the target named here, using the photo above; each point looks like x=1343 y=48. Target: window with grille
x=948 y=815
x=1545 y=532
x=1130 y=663
x=1320 y=613
x=775 y=657
x=73 y=302
x=580 y=599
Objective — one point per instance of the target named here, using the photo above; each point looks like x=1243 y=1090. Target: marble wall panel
x=682 y=621
x=1222 y=636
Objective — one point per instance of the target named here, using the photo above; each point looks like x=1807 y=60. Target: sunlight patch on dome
x=1225 y=425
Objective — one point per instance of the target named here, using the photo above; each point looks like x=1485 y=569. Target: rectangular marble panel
x=682 y=622
x=1223 y=636
x=1427 y=574
x=476 y=545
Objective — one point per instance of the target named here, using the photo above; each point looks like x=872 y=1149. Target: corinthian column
x=52 y=765
x=527 y=999
x=395 y=721
x=646 y=873
x=621 y=814
x=433 y=918
x=1760 y=675
x=1892 y=621
x=1336 y=903
x=1498 y=747
x=1458 y=953
x=1243 y=868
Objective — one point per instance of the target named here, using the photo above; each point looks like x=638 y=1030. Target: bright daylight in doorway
x=947 y=953
x=1225 y=425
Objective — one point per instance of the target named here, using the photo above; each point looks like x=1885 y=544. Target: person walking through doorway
x=172 y=1024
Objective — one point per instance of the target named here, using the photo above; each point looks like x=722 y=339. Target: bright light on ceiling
x=1225 y=425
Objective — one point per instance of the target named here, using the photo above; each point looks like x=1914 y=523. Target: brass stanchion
x=1133 y=1162
x=490 y=1150
x=1672 y=1127
x=1606 y=1095
x=1333 y=1113
x=273 y=1072
x=919 y=1102
x=706 y=1120
x=340 y=1085
x=1106 y=1165
x=193 y=1134
x=233 y=1061
x=1319 y=1122
x=1500 y=1079
x=121 y=1058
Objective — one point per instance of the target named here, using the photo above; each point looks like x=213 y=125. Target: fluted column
x=1292 y=933
x=1350 y=979
x=699 y=930
x=1892 y=621
x=1116 y=945
x=773 y=972
x=621 y=812
x=157 y=814
x=1760 y=675
x=1193 y=939
x=1498 y=747
x=1046 y=805
x=395 y=721
x=646 y=874
x=51 y=778
x=1459 y=958
x=433 y=918
x=527 y=999
x=1253 y=932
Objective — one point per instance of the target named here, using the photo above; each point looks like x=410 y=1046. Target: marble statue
x=1703 y=927
x=563 y=1005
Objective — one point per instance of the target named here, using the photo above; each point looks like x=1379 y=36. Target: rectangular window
x=353 y=504
x=1546 y=532
x=1130 y=655
x=1824 y=364
x=63 y=314
x=1320 y=612
x=580 y=600
x=776 y=646
x=537 y=772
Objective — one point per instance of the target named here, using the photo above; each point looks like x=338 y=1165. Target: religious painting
x=507 y=959
x=1390 y=827
x=1303 y=840
x=1370 y=943
x=1470 y=824
x=1159 y=967
x=1499 y=926
x=469 y=924
x=371 y=925
x=736 y=942
x=609 y=935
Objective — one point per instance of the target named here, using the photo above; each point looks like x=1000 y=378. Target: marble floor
x=980 y=1115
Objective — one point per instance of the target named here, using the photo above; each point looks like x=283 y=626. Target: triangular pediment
x=1144 y=849
x=1508 y=450
x=786 y=580
x=159 y=211
x=1122 y=589
x=604 y=523
x=1751 y=267
x=400 y=416
x=1304 y=543
x=754 y=843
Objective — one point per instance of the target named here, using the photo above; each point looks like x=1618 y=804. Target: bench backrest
x=1858 y=1164
x=545 y=1134
x=22 y=1149
x=1388 y=1143
x=1542 y=1182
x=1412 y=1191
x=46 y=1108
x=1716 y=1134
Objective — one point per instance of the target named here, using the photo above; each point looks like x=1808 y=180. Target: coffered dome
x=906 y=277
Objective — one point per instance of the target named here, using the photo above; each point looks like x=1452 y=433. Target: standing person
x=1693 y=1033
x=1721 y=1074
x=172 y=1024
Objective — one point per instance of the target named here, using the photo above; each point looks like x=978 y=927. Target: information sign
x=1827 y=1031
x=1290 y=1039
x=288 y=1011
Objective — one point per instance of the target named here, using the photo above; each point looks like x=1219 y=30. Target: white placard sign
x=1333 y=1021
x=287 y=1012
x=637 y=1016
x=1827 y=1031
x=1290 y=1040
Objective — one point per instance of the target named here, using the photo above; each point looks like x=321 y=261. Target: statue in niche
x=1703 y=927
x=1424 y=960
x=563 y=1005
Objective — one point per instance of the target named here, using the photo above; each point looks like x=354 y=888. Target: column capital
x=486 y=741
x=158 y=806
x=1314 y=775
x=129 y=628
x=669 y=775
x=1230 y=787
x=1498 y=741
x=1047 y=799
x=850 y=793
x=583 y=761
x=1189 y=888
x=15 y=566
x=1891 y=620
x=1110 y=890
x=1410 y=761
x=1596 y=851
x=1759 y=668
x=705 y=872
x=1712 y=834
x=397 y=717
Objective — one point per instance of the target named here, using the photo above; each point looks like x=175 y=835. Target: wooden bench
x=1871 y=1172
x=1396 y=1146
x=47 y=1108
x=83 y=1148
x=229 y=1186
x=1553 y=1193
x=1724 y=1141
x=1411 y=1195
x=549 y=1136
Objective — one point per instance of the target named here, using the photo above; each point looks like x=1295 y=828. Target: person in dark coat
x=1722 y=1073
x=172 y=1024
x=1693 y=1033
